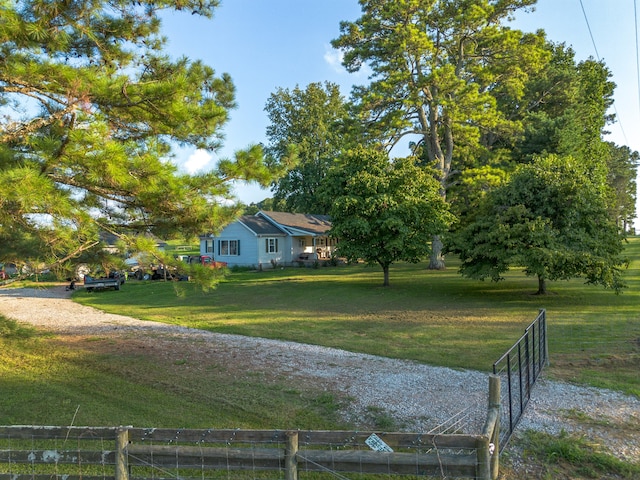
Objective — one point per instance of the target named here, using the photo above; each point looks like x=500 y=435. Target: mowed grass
x=435 y=317
x=64 y=380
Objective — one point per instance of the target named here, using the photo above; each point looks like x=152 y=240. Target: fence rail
x=126 y=453
x=519 y=369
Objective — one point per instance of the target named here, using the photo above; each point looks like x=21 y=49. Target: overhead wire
x=584 y=12
x=635 y=21
x=595 y=47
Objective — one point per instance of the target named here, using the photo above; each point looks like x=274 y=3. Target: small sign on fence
x=376 y=443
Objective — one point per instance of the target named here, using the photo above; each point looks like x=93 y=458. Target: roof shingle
x=318 y=224
x=259 y=225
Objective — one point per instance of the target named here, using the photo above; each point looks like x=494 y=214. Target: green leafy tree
x=550 y=218
x=91 y=109
x=471 y=186
x=585 y=122
x=544 y=110
x=268 y=204
x=309 y=123
x=566 y=112
x=565 y=108
x=383 y=211
x=623 y=165
x=438 y=70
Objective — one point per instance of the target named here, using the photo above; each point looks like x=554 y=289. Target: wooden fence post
x=122 y=459
x=483 y=472
x=291 y=457
x=495 y=403
x=487 y=454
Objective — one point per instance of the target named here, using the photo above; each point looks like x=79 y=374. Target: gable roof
x=260 y=225
x=314 y=224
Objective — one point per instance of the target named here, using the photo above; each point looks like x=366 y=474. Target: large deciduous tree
x=91 y=109
x=550 y=218
x=438 y=69
x=309 y=124
x=383 y=210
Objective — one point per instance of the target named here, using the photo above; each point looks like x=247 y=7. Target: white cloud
x=197 y=161
x=334 y=58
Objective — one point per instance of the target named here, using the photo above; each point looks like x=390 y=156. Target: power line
x=589 y=28
x=635 y=21
x=595 y=47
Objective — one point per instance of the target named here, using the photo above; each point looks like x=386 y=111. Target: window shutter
x=277 y=246
x=219 y=248
x=238 y=247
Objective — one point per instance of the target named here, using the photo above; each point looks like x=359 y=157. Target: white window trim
x=271 y=245
x=226 y=251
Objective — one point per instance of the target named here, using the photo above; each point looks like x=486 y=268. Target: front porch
x=311 y=249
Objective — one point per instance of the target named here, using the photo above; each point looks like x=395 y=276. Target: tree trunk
x=430 y=122
x=385 y=270
x=436 y=261
x=542 y=285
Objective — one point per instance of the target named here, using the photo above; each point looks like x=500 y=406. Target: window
x=228 y=247
x=271 y=245
x=208 y=246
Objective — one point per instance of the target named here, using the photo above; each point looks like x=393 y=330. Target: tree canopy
x=564 y=111
x=623 y=165
x=550 y=218
x=383 y=210
x=438 y=72
x=309 y=124
x=92 y=108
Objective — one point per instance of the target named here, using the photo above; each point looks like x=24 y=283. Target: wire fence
x=519 y=369
x=618 y=335
x=127 y=453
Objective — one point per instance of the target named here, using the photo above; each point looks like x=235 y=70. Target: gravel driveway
x=419 y=397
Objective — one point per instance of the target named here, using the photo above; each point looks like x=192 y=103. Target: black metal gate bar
x=529 y=365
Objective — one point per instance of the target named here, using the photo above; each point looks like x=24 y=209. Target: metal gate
x=518 y=370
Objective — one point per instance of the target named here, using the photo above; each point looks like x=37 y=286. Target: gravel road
x=419 y=397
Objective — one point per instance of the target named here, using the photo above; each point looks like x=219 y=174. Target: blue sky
x=265 y=45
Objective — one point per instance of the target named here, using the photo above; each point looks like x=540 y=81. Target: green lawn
x=60 y=380
x=436 y=317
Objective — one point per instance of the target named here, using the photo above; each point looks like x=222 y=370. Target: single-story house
x=268 y=239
